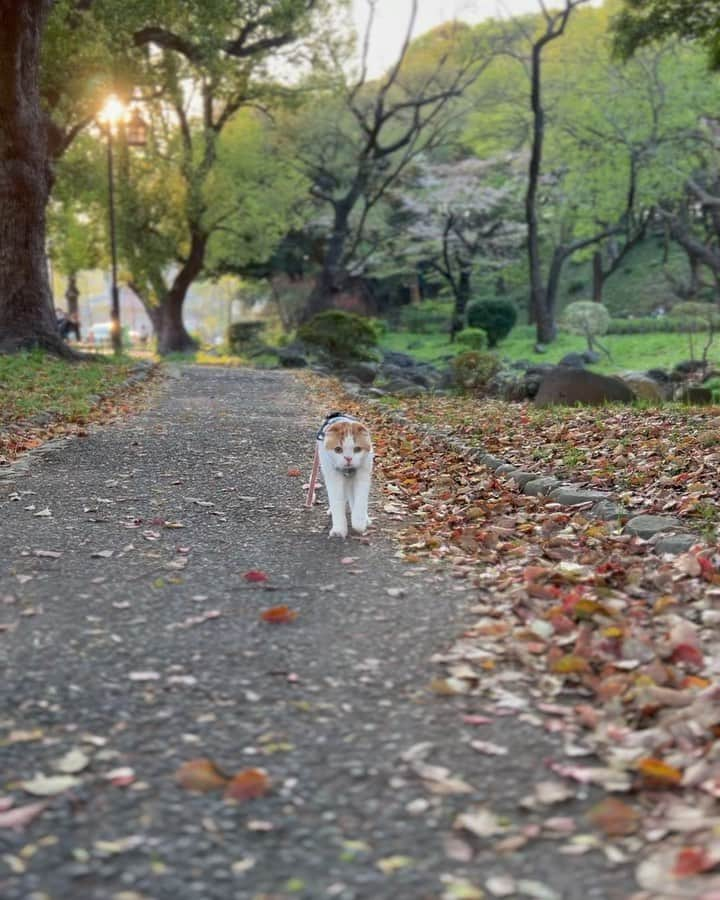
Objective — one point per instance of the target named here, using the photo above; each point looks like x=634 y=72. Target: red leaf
x=686 y=653
x=692 y=861
x=294 y=473
x=278 y=615
x=249 y=784
x=255 y=575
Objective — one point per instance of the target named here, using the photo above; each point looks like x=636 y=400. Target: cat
x=346 y=459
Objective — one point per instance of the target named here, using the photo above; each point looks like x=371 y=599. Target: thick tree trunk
x=329 y=281
x=27 y=317
x=172 y=336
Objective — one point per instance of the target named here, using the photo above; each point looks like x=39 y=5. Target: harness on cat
x=330 y=419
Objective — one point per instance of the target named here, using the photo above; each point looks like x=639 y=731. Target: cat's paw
x=360 y=525
x=338 y=533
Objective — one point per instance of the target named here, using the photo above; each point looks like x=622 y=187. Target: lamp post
x=110 y=116
x=114 y=112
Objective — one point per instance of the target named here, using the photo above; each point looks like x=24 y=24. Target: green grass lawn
x=629 y=351
x=34 y=383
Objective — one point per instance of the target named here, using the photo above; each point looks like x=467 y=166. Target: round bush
x=341 y=334
x=473 y=370
x=496 y=317
x=473 y=338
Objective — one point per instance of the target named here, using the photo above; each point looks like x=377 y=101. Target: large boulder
x=361 y=371
x=645 y=388
x=694 y=395
x=567 y=386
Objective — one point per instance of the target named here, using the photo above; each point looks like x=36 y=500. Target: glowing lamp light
x=112 y=112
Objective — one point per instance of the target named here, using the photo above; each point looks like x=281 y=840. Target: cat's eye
x=338 y=449
x=357 y=449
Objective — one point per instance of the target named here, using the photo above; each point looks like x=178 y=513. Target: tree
x=541 y=294
x=589 y=319
x=215 y=47
x=27 y=316
x=642 y=22
x=455 y=217
x=356 y=141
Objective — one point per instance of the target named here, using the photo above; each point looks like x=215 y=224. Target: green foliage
x=473 y=338
x=685 y=323
x=427 y=317
x=696 y=316
x=342 y=335
x=473 y=370
x=496 y=317
x=586 y=318
x=244 y=337
x=642 y=22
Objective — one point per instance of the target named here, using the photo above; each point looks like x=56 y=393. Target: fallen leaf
x=201 y=775
x=278 y=615
x=49 y=785
x=20 y=816
x=249 y=784
x=255 y=575
x=614 y=817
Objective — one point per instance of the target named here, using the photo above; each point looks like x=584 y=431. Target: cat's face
x=348 y=443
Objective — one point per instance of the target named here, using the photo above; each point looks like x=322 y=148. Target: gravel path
x=115 y=647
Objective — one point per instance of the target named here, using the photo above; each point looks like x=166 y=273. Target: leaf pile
x=579 y=629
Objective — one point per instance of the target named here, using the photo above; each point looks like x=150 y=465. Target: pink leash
x=313 y=479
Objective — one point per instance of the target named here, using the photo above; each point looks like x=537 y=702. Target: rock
x=293 y=356
x=364 y=372
x=644 y=387
x=574 y=360
x=688 y=366
x=570 y=386
x=694 y=395
x=395 y=358
x=540 y=487
x=591 y=356
x=506 y=469
x=659 y=375
x=492 y=462
x=401 y=387
x=645 y=526
x=524 y=478
x=568 y=495
x=675 y=543
x=607 y=510
x=540 y=348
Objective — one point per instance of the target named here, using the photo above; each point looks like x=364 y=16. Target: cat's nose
x=348 y=459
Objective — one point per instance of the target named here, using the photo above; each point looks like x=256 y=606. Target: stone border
x=665 y=534
x=140 y=372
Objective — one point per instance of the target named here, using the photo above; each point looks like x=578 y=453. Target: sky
x=391 y=18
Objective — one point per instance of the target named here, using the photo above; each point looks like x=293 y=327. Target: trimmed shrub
x=473 y=370
x=473 y=338
x=496 y=317
x=340 y=334
x=244 y=337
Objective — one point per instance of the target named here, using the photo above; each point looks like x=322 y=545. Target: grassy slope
x=636 y=289
x=33 y=383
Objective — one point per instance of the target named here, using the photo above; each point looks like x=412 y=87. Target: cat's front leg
x=359 y=502
x=335 y=484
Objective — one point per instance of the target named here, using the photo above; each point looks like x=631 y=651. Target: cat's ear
x=361 y=435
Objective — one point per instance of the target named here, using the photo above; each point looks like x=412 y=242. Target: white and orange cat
x=346 y=459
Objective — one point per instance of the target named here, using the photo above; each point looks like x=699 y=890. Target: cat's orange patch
x=338 y=431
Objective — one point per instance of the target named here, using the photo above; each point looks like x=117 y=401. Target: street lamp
x=113 y=112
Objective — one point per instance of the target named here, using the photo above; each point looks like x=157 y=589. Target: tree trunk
x=537 y=310
x=27 y=317
x=172 y=336
x=462 y=297
x=329 y=280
